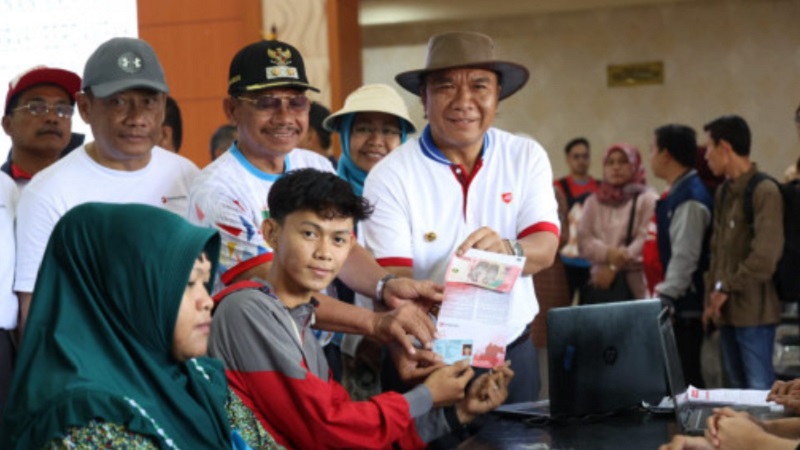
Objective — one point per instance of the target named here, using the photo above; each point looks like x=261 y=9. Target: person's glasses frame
x=41 y=108
x=273 y=103
x=365 y=130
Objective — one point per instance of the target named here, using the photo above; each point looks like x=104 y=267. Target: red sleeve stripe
x=538 y=227
x=395 y=262
x=244 y=266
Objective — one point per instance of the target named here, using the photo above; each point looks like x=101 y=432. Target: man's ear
x=269 y=229
x=166 y=137
x=726 y=147
x=229 y=108
x=7 y=124
x=83 y=102
x=423 y=97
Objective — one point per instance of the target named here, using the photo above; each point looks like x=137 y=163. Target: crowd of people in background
x=325 y=268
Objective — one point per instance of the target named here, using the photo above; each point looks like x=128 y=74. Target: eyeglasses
x=364 y=130
x=273 y=103
x=41 y=107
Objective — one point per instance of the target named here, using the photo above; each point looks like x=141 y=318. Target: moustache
x=45 y=131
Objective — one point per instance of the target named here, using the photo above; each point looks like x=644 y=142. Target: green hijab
x=99 y=335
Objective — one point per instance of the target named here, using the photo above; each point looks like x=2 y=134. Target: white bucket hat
x=371 y=98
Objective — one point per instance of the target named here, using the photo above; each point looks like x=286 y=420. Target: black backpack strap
x=723 y=192
x=749 y=210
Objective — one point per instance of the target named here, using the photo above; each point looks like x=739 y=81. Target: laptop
x=602 y=358
x=691 y=417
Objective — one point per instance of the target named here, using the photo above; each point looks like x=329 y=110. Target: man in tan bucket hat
x=464 y=184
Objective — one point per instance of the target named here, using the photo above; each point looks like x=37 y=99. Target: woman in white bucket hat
x=372 y=123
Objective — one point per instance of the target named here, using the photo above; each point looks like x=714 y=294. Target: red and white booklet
x=472 y=320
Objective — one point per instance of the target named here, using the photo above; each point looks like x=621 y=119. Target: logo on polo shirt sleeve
x=507 y=197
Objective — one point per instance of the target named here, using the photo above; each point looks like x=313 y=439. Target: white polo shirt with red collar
x=426 y=206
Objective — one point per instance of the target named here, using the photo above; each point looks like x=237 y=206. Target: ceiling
x=385 y=12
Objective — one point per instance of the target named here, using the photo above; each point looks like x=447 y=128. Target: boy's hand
x=400 y=291
x=413 y=369
x=447 y=383
x=395 y=325
x=486 y=393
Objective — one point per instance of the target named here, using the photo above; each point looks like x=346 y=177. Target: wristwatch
x=379 y=288
x=516 y=247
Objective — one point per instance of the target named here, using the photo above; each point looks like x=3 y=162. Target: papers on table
x=749 y=397
x=472 y=319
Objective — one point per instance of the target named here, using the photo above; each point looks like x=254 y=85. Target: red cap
x=69 y=81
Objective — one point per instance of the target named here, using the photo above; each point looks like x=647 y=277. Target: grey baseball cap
x=123 y=63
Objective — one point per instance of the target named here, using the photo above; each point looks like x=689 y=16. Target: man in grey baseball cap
x=123 y=98
x=121 y=64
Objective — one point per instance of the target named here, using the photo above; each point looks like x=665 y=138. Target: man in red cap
x=38 y=119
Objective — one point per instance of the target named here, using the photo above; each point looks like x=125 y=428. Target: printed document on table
x=749 y=397
x=473 y=316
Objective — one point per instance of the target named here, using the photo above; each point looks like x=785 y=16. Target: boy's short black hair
x=680 y=141
x=732 y=129
x=574 y=142
x=321 y=192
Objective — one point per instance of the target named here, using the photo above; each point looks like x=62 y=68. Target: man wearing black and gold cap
x=267 y=102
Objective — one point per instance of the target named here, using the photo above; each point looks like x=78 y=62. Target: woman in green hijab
x=119 y=320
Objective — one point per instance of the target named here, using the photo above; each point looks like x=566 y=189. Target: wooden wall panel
x=344 y=47
x=344 y=50
x=174 y=11
x=195 y=41
x=196 y=56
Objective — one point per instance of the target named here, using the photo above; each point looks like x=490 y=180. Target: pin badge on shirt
x=430 y=236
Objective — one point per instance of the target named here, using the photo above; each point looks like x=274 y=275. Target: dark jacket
x=744 y=258
x=690 y=188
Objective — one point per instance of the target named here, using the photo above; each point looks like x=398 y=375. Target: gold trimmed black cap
x=265 y=65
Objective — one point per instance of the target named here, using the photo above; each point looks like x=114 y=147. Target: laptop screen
x=604 y=357
x=677 y=385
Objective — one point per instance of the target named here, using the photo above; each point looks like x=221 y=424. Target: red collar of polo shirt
x=19 y=174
